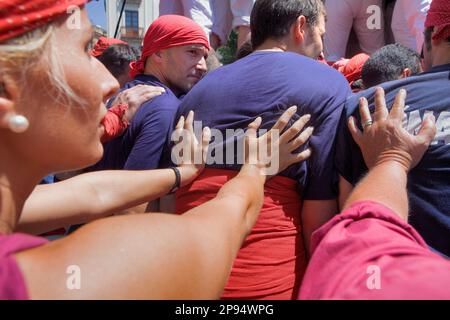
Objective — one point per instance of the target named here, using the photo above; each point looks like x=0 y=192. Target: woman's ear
x=6 y=111
x=9 y=119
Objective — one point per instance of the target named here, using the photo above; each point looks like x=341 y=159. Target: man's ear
x=299 y=29
x=406 y=73
x=158 y=55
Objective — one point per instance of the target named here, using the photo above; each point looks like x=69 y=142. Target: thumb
x=428 y=130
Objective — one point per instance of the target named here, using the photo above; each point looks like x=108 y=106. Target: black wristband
x=177 y=183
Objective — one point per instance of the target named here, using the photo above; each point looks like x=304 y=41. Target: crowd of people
x=288 y=174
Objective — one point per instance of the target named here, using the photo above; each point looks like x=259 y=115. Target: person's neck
x=16 y=184
x=160 y=75
x=273 y=45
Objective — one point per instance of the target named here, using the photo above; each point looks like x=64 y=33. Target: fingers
x=284 y=119
x=254 y=126
x=180 y=124
x=428 y=131
x=148 y=96
x=139 y=94
x=206 y=139
x=354 y=130
x=295 y=129
x=189 y=124
x=366 y=118
x=302 y=156
x=301 y=139
x=250 y=141
x=381 y=111
x=398 y=109
x=143 y=89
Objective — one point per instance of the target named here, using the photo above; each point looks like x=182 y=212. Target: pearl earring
x=18 y=124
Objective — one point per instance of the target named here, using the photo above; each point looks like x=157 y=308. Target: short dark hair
x=274 y=18
x=245 y=50
x=428 y=34
x=388 y=63
x=117 y=57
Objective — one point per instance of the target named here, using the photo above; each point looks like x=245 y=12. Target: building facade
x=136 y=18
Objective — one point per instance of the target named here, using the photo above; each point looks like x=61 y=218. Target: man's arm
x=320 y=202
x=388 y=152
x=345 y=188
x=367 y=245
x=314 y=215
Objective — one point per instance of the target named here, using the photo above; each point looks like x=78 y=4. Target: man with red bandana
x=173 y=57
x=429 y=182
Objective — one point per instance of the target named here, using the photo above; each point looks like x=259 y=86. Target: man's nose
x=201 y=65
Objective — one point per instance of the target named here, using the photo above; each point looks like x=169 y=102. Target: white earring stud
x=18 y=124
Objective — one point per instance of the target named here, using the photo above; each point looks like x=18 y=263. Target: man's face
x=313 y=45
x=184 y=66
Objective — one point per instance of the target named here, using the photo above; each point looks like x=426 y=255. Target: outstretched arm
x=161 y=256
x=151 y=256
x=92 y=196
x=99 y=194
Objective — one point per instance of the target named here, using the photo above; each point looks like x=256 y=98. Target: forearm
x=91 y=196
x=194 y=253
x=386 y=184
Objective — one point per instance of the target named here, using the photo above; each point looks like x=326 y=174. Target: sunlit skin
x=180 y=68
x=64 y=136
x=53 y=121
x=303 y=38
x=313 y=43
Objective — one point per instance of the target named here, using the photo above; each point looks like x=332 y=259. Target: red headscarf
x=352 y=70
x=167 y=32
x=439 y=17
x=20 y=16
x=104 y=43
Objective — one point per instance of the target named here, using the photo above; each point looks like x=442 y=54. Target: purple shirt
x=141 y=147
x=12 y=284
x=266 y=84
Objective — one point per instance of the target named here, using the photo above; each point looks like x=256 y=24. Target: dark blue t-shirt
x=429 y=182
x=266 y=84
x=141 y=146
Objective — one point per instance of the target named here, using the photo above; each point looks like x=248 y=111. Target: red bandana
x=167 y=32
x=439 y=17
x=20 y=16
x=353 y=69
x=104 y=43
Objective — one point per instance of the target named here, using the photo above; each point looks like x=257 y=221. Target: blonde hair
x=23 y=54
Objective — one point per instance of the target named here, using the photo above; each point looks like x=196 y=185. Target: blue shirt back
x=266 y=84
x=429 y=182
x=142 y=145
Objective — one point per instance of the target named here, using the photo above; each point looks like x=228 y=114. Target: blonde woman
x=51 y=106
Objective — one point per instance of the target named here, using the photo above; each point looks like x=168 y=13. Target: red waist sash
x=271 y=262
